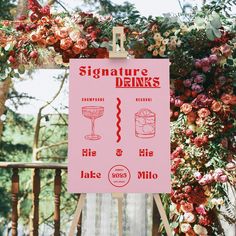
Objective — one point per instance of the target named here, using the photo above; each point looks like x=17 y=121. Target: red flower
x=102 y=53
x=204 y=220
x=198 y=141
x=178 y=84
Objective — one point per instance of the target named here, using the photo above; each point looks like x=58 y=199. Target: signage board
x=119 y=137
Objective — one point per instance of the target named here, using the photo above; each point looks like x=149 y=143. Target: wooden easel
x=121 y=53
x=119 y=197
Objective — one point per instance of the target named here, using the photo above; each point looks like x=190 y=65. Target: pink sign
x=119 y=137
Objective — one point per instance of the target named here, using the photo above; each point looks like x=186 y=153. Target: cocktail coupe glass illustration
x=92 y=113
x=145 y=123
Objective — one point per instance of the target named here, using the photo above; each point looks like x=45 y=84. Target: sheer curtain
x=100 y=217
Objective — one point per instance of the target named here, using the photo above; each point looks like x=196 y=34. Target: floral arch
x=202 y=52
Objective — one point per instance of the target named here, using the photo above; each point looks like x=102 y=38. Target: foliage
x=5 y=10
x=220 y=6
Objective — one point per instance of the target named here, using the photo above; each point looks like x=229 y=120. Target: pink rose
x=219 y=171
x=189 y=217
x=213 y=58
x=223 y=178
x=197 y=175
x=205 y=61
x=198 y=64
x=201 y=210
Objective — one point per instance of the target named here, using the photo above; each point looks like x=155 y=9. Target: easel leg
x=120 y=213
x=163 y=214
x=78 y=211
x=119 y=197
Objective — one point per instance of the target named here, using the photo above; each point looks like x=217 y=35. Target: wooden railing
x=58 y=168
x=36 y=167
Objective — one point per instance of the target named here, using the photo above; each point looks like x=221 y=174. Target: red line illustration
x=118 y=120
x=145 y=123
x=92 y=112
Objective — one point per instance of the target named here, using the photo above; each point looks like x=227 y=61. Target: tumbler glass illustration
x=145 y=123
x=92 y=112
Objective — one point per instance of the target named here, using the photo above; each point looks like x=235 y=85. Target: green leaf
x=174 y=224
x=199 y=21
x=230 y=61
x=21 y=69
x=3 y=57
x=216 y=32
x=210 y=34
x=215 y=20
x=16 y=75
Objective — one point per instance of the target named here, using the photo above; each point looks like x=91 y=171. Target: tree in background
x=6 y=9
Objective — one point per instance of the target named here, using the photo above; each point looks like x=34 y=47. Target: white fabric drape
x=100 y=217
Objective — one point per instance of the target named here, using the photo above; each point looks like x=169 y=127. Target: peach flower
x=34 y=37
x=41 y=30
x=66 y=43
x=203 y=112
x=76 y=49
x=226 y=99
x=233 y=100
x=226 y=50
x=82 y=43
x=45 y=19
x=50 y=40
x=186 y=108
x=42 y=42
x=187 y=207
x=62 y=33
x=191 y=117
x=216 y=106
x=190 y=233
